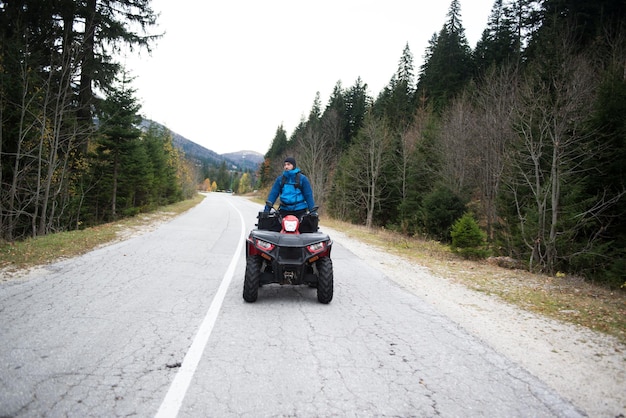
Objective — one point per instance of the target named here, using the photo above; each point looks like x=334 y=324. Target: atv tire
x=252 y=278
x=325 y=280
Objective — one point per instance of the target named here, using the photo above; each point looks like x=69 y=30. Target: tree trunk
x=85 y=92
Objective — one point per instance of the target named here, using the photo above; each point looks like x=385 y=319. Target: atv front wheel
x=325 y=280
x=252 y=278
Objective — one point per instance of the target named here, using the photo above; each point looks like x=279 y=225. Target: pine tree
x=278 y=147
x=107 y=25
x=279 y=143
x=223 y=178
x=337 y=106
x=498 y=43
x=396 y=105
x=447 y=67
x=525 y=20
x=357 y=105
x=397 y=101
x=164 y=158
x=119 y=122
x=316 y=110
x=467 y=238
x=136 y=179
x=585 y=20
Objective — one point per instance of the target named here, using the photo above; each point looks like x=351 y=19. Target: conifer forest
x=74 y=151
x=525 y=134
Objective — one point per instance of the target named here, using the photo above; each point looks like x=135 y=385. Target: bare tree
x=458 y=154
x=414 y=167
x=551 y=153
x=366 y=159
x=58 y=141
x=23 y=158
x=493 y=134
x=317 y=153
x=409 y=139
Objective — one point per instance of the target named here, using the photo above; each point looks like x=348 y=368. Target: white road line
x=176 y=393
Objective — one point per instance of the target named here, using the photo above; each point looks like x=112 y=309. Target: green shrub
x=439 y=210
x=467 y=238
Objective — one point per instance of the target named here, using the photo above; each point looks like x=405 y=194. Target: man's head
x=289 y=163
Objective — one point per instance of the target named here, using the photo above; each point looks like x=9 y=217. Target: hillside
x=240 y=160
x=245 y=159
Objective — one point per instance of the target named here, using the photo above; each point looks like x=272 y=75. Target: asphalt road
x=156 y=326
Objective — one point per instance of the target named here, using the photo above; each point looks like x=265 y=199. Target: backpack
x=284 y=180
x=295 y=197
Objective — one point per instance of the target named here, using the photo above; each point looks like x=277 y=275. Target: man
x=294 y=190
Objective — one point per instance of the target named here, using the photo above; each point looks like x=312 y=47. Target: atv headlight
x=264 y=245
x=290 y=226
x=316 y=248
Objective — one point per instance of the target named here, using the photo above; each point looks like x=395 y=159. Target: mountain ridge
x=242 y=160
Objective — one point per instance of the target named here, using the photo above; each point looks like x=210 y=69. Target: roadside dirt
x=586 y=367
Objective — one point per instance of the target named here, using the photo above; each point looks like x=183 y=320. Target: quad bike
x=289 y=251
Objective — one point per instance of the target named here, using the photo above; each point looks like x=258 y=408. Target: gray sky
x=228 y=73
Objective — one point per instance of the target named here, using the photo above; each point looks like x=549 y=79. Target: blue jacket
x=292 y=198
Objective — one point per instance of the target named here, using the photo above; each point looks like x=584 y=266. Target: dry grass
x=20 y=255
x=568 y=299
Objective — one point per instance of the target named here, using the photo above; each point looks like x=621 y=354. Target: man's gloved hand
x=267 y=208
x=313 y=213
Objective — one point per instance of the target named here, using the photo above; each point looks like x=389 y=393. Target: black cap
x=291 y=160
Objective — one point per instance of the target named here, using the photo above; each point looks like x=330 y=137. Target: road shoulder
x=586 y=367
